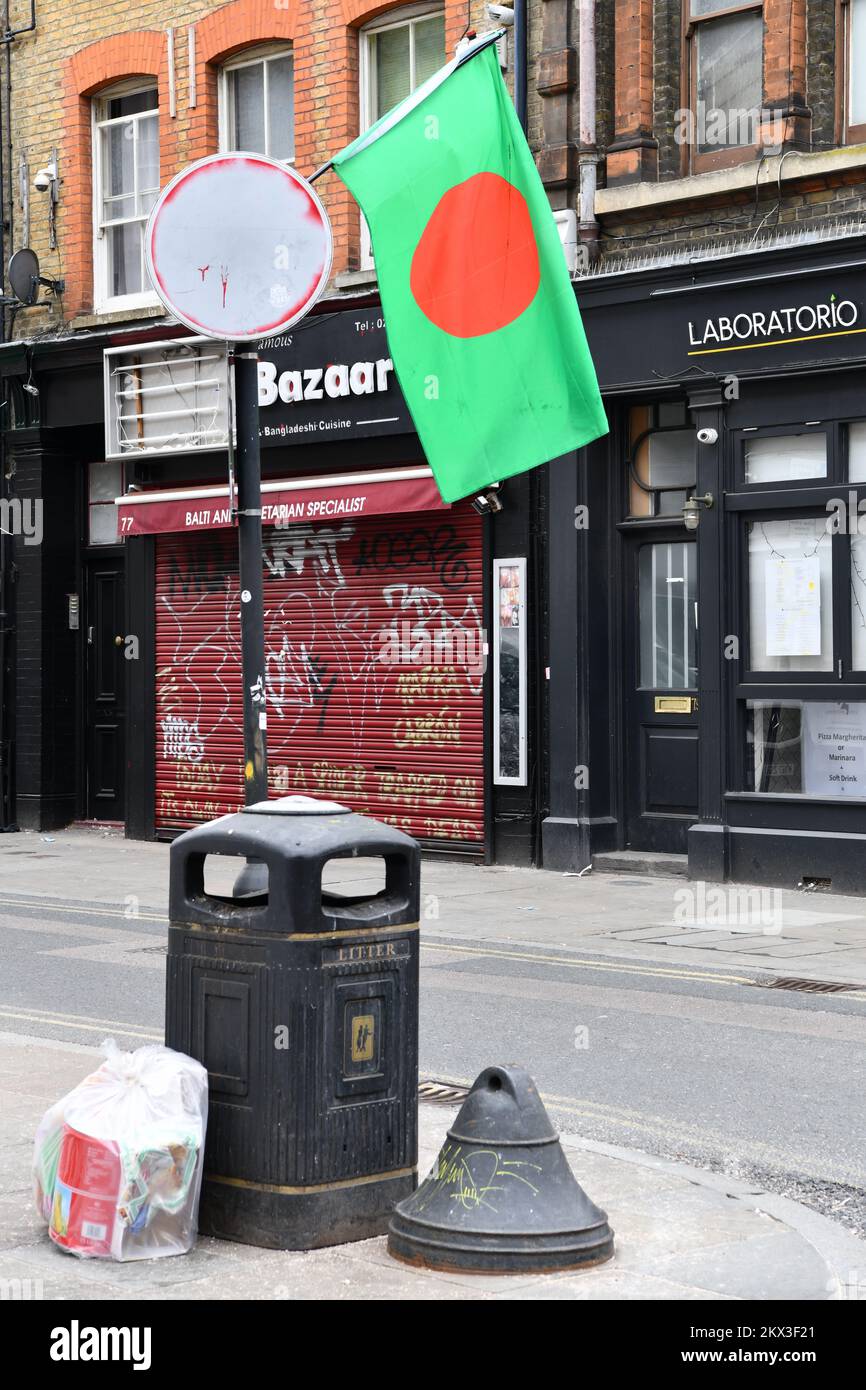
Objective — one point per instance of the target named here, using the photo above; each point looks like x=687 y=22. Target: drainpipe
x=520 y=80
x=7 y=38
x=6 y=794
x=588 y=152
x=7 y=760
x=7 y=756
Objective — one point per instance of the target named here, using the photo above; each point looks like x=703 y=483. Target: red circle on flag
x=475 y=268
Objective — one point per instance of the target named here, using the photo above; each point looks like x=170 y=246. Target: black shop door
x=105 y=750
x=661 y=677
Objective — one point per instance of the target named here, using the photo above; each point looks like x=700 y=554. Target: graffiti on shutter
x=374 y=671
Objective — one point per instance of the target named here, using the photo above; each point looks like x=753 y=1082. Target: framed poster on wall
x=509 y=672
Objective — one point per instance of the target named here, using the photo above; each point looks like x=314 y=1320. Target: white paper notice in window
x=834 y=749
x=793 y=606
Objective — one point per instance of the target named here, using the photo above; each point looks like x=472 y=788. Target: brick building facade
x=656 y=190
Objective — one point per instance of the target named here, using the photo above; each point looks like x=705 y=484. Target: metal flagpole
x=476 y=47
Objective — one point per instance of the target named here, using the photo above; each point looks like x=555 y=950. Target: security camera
x=504 y=13
x=45 y=178
x=488 y=503
x=708 y=436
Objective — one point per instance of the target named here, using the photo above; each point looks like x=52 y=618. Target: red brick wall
x=784 y=50
x=109 y=60
x=633 y=91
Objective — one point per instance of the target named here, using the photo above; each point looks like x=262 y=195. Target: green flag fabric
x=483 y=327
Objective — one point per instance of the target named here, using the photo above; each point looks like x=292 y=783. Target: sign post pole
x=253 y=877
x=249 y=504
x=238 y=247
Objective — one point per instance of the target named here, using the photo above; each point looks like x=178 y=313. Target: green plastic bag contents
x=117 y=1163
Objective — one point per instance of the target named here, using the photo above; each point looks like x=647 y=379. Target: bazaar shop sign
x=315 y=383
x=331 y=378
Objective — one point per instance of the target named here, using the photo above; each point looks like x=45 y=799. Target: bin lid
x=297 y=806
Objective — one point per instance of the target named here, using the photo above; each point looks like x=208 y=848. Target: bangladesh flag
x=483 y=327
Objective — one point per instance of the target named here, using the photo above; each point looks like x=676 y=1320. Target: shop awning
x=289 y=501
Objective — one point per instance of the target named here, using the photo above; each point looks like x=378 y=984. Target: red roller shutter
x=373 y=647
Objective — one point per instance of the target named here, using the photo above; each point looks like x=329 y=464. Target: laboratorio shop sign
x=817 y=321
x=331 y=378
x=723 y=325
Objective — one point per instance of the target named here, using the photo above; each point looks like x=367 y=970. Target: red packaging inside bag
x=86 y=1194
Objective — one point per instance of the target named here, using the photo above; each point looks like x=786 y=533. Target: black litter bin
x=303 y=1007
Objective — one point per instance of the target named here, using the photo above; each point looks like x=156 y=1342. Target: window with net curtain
x=727 y=77
x=258 y=104
x=857 y=66
x=126 y=141
x=398 y=56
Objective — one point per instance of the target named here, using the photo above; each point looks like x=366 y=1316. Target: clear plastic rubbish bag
x=117 y=1163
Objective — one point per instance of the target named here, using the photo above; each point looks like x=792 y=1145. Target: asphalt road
x=697 y=1064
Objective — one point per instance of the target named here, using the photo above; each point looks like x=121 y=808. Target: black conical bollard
x=501 y=1197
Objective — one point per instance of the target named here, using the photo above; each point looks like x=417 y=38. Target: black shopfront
x=707 y=649
x=401 y=636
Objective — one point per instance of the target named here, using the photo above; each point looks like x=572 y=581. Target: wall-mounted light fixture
x=692 y=510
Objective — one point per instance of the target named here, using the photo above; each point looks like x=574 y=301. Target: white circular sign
x=238 y=246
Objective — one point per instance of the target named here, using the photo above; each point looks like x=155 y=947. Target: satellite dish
x=24 y=278
x=24 y=275
x=238 y=247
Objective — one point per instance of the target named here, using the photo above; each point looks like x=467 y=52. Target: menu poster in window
x=509 y=679
x=509 y=596
x=793 y=606
x=834 y=749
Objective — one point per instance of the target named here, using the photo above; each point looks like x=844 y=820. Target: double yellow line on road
x=85 y=908
x=604 y=965
x=608 y=966
x=81 y=1023
x=572 y=962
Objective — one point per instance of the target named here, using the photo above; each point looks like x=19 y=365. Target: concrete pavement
x=680 y=1234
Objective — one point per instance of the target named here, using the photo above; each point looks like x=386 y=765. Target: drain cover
x=442 y=1092
x=806 y=986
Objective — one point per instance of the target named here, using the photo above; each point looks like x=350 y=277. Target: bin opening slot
x=364 y=888
x=352 y=879
x=231 y=878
